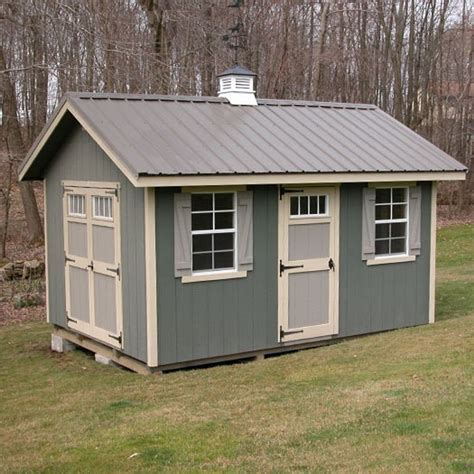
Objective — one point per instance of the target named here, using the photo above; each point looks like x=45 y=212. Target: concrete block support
x=102 y=359
x=59 y=344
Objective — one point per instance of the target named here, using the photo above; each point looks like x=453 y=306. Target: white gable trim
x=48 y=131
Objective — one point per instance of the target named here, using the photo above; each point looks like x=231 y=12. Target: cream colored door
x=92 y=259
x=308 y=262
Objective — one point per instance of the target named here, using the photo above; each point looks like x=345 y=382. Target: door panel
x=77 y=236
x=308 y=241
x=308 y=299
x=103 y=243
x=104 y=302
x=92 y=251
x=308 y=270
x=79 y=294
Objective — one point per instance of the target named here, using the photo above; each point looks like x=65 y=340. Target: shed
x=187 y=230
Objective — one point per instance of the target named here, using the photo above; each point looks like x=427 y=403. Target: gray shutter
x=182 y=234
x=415 y=220
x=245 y=230
x=368 y=223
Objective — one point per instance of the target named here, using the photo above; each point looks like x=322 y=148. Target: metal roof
x=175 y=135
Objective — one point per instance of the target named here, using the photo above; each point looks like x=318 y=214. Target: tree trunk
x=11 y=129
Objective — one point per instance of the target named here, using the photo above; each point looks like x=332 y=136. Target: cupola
x=236 y=84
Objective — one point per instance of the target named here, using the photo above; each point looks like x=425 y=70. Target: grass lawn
x=399 y=401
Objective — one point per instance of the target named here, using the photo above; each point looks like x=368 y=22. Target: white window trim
x=310 y=216
x=402 y=256
x=225 y=273
x=382 y=260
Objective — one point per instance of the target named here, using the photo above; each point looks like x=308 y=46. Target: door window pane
x=294 y=202
x=77 y=205
x=308 y=206
x=304 y=205
x=322 y=205
x=102 y=207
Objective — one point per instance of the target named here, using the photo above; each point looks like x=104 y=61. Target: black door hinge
x=288 y=333
x=117 y=338
x=114 y=192
x=331 y=265
x=68 y=319
x=284 y=190
x=288 y=267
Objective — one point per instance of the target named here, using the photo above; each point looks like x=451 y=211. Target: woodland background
x=414 y=59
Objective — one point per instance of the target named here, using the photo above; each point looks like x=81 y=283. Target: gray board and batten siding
x=79 y=158
x=202 y=320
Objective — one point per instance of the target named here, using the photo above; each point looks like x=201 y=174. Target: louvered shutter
x=182 y=234
x=368 y=223
x=415 y=220
x=245 y=230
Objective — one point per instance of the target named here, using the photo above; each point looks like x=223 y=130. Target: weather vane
x=233 y=39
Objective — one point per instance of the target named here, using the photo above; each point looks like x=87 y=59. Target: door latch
x=288 y=333
x=331 y=264
x=115 y=270
x=91 y=265
x=288 y=267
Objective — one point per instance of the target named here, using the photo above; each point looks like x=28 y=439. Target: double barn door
x=92 y=261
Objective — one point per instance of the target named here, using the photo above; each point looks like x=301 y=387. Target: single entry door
x=308 y=262
x=92 y=260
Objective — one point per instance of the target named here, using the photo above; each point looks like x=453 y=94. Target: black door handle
x=288 y=267
x=331 y=264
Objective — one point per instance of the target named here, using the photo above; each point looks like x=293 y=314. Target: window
x=391 y=221
x=213 y=231
x=77 y=205
x=102 y=207
x=308 y=206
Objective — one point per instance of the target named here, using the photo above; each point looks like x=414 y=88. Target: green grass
x=395 y=402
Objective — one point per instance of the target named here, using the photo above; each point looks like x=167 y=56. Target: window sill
x=213 y=276
x=384 y=260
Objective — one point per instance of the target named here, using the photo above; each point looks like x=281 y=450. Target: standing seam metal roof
x=173 y=135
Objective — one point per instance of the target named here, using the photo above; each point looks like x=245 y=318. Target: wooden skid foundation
x=105 y=351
